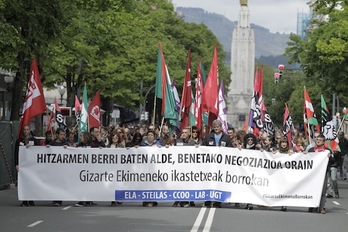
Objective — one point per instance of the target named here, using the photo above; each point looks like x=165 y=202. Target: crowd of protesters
x=153 y=135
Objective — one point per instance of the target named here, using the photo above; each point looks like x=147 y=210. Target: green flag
x=169 y=104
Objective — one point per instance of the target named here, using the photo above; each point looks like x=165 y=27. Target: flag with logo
x=255 y=115
x=287 y=125
x=60 y=123
x=94 y=115
x=34 y=103
x=268 y=125
x=328 y=127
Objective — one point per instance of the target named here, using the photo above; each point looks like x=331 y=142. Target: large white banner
x=171 y=174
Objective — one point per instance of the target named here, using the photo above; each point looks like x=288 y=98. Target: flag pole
x=339 y=128
x=154 y=111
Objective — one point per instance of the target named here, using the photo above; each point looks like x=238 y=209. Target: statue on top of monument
x=243 y=2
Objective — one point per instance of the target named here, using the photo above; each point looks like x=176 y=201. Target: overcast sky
x=275 y=15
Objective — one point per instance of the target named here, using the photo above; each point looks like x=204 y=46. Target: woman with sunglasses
x=195 y=136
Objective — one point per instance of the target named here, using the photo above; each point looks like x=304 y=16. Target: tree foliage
x=324 y=54
x=110 y=44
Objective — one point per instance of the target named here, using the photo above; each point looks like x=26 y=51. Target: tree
x=323 y=55
x=29 y=26
x=112 y=44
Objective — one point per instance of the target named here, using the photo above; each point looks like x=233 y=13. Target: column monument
x=242 y=68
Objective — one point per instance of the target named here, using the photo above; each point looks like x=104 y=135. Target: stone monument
x=242 y=68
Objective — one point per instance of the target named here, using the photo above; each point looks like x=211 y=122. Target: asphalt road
x=133 y=217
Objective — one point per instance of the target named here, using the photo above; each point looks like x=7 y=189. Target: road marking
x=209 y=221
x=199 y=218
x=66 y=208
x=34 y=224
x=336 y=203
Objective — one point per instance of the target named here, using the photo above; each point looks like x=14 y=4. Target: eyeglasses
x=194 y=132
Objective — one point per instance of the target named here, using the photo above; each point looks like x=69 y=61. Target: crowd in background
x=153 y=135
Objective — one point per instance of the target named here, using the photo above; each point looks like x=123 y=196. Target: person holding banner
x=116 y=142
x=59 y=141
x=136 y=140
x=196 y=135
x=219 y=139
x=72 y=140
x=300 y=145
x=318 y=147
x=48 y=137
x=150 y=142
x=250 y=142
x=284 y=148
x=84 y=141
x=184 y=140
x=25 y=140
x=97 y=140
x=239 y=140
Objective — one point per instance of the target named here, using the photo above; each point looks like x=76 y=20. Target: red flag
x=186 y=100
x=78 y=106
x=34 y=103
x=94 y=115
x=287 y=125
x=198 y=98
x=210 y=92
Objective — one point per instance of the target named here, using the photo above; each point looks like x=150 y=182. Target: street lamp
x=8 y=79
x=61 y=90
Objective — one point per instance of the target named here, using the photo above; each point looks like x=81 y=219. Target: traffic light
x=146 y=115
x=280 y=70
x=276 y=78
